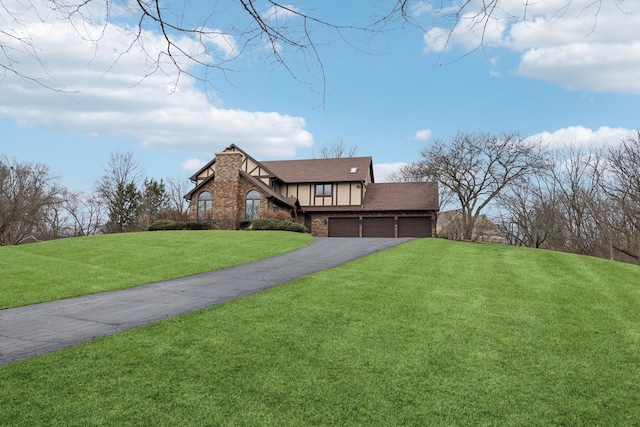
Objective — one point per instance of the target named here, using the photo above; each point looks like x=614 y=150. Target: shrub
x=173 y=214
x=197 y=226
x=277 y=214
x=167 y=224
x=244 y=225
x=274 y=224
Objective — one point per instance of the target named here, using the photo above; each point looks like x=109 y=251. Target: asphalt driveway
x=37 y=329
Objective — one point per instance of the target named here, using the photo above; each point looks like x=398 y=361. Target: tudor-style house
x=333 y=197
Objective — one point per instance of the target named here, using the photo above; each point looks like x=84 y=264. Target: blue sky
x=569 y=77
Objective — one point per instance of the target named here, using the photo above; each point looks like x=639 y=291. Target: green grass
x=428 y=333
x=71 y=267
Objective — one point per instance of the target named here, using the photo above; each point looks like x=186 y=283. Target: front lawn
x=66 y=268
x=431 y=332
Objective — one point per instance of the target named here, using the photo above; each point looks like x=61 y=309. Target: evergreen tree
x=154 y=199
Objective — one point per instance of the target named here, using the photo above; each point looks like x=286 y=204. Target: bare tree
x=177 y=187
x=85 y=213
x=577 y=181
x=57 y=221
x=477 y=167
x=27 y=192
x=587 y=202
x=336 y=149
x=529 y=214
x=623 y=188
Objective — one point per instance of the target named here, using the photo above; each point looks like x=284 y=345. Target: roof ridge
x=317 y=160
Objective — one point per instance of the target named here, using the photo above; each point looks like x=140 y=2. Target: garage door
x=378 y=227
x=414 y=227
x=344 y=227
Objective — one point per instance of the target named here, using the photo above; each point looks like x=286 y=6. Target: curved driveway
x=43 y=328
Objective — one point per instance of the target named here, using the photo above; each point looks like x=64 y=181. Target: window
x=204 y=205
x=252 y=206
x=323 y=190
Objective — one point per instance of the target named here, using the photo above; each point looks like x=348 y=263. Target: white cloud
x=586 y=45
x=422 y=135
x=420 y=8
x=582 y=66
x=281 y=12
x=193 y=165
x=436 y=39
x=382 y=171
x=111 y=88
x=582 y=137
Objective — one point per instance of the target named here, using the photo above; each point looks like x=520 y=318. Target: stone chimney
x=225 y=189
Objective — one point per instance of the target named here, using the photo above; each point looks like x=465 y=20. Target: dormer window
x=353 y=170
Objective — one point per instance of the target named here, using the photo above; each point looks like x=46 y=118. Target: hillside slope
x=66 y=268
x=431 y=332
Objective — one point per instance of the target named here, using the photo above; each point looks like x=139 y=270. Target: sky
x=74 y=91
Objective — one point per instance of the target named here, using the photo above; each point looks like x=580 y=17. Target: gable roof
x=322 y=170
x=194 y=177
x=291 y=202
x=393 y=196
x=417 y=196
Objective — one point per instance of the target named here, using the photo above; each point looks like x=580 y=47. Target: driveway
x=37 y=329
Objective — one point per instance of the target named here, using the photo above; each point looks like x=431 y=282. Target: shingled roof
x=291 y=202
x=394 y=196
x=322 y=170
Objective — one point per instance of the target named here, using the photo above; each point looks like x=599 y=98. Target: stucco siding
x=205 y=174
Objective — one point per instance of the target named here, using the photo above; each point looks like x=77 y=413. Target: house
x=332 y=197
x=450 y=227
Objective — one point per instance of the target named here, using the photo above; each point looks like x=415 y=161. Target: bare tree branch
x=287 y=30
x=335 y=150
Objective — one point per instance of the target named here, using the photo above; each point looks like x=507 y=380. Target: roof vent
x=353 y=170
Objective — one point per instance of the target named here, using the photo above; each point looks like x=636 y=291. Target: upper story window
x=324 y=190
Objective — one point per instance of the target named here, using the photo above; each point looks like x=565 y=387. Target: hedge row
x=273 y=224
x=258 y=224
x=167 y=224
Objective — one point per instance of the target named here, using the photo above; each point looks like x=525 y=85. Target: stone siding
x=225 y=190
x=229 y=191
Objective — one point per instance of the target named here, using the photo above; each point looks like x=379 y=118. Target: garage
x=414 y=227
x=344 y=227
x=378 y=227
x=419 y=226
